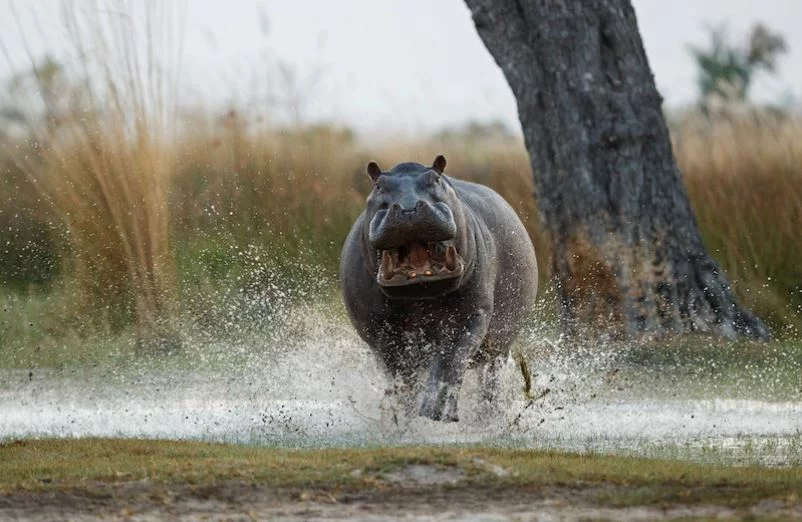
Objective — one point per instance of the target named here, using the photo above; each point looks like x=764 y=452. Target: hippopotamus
x=437 y=275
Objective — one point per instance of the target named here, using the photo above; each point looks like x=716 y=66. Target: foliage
x=727 y=70
x=96 y=151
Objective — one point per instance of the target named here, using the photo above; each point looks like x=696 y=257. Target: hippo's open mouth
x=419 y=262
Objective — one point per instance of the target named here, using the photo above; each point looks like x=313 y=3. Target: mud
x=143 y=501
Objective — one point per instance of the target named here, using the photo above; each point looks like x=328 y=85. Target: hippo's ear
x=439 y=164
x=374 y=171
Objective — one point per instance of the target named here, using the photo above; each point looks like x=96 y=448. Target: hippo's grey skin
x=437 y=274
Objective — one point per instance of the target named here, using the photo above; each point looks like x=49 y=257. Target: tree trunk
x=628 y=257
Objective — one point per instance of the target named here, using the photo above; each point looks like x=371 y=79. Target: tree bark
x=628 y=257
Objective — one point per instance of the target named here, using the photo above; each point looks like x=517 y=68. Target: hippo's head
x=415 y=230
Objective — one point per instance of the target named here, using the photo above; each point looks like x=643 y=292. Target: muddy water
x=323 y=388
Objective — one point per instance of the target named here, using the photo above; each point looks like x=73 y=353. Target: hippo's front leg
x=448 y=369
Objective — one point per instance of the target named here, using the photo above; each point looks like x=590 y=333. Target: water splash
x=308 y=381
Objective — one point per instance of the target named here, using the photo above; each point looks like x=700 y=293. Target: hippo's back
x=516 y=274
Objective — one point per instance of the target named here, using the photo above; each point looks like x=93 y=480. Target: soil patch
x=414 y=493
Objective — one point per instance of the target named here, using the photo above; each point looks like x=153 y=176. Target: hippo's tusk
x=451 y=258
x=387 y=265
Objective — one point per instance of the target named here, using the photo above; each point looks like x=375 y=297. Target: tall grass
x=295 y=191
x=101 y=155
x=301 y=190
x=232 y=185
x=744 y=178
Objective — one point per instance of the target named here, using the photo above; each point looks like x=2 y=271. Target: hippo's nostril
x=418 y=205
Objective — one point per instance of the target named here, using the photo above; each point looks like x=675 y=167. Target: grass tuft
x=98 y=152
x=744 y=178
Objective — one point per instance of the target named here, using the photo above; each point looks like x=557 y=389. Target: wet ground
x=317 y=385
x=237 y=502
x=325 y=389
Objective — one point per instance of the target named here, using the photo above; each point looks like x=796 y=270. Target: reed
x=744 y=178
x=300 y=191
x=101 y=157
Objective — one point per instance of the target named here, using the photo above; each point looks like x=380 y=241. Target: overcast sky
x=406 y=64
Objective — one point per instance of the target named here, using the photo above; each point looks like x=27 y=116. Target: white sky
x=407 y=64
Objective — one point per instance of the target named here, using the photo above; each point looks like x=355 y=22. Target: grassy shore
x=89 y=464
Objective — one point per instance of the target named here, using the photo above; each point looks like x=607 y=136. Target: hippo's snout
x=422 y=222
x=415 y=247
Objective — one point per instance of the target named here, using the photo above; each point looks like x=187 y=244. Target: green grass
x=90 y=464
x=705 y=367
x=43 y=329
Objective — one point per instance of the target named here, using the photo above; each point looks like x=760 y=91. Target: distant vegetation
x=243 y=204
x=116 y=214
x=726 y=70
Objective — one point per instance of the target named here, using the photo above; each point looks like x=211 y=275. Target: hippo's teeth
x=387 y=265
x=412 y=275
x=451 y=258
x=428 y=273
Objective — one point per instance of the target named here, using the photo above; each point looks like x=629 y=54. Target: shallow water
x=324 y=388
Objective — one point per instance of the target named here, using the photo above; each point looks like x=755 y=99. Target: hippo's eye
x=432 y=179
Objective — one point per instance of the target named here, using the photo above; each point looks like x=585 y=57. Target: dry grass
x=744 y=178
x=300 y=191
x=293 y=191
x=101 y=156
x=231 y=184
